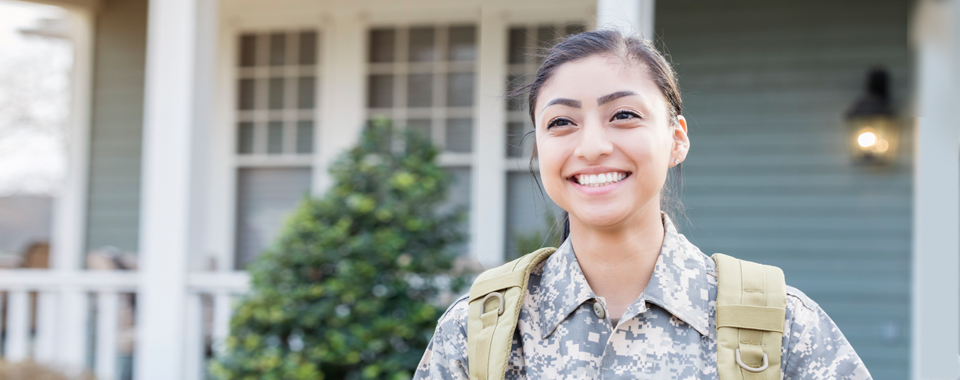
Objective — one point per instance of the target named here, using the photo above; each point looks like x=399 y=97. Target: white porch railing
x=34 y=328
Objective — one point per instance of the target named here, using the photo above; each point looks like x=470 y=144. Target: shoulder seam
x=451 y=307
x=807 y=303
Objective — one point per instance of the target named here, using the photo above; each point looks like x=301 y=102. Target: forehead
x=590 y=78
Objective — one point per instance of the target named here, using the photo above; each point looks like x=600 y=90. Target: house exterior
x=199 y=124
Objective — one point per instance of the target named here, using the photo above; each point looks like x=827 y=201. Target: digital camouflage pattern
x=669 y=332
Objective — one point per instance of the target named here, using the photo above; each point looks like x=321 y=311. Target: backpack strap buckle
x=499 y=296
x=752 y=369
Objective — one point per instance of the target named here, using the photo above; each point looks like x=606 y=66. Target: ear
x=681 y=142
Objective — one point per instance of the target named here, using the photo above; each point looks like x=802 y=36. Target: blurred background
x=149 y=151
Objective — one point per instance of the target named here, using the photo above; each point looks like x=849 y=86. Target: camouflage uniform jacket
x=669 y=332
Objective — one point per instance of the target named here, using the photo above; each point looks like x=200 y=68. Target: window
x=530 y=213
x=276 y=113
x=422 y=77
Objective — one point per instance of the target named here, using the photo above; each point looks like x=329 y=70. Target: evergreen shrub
x=350 y=288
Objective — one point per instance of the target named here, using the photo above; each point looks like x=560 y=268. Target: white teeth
x=603 y=179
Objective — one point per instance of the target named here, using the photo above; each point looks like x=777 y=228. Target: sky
x=34 y=99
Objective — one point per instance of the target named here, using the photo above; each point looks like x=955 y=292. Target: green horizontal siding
x=768 y=178
x=117 y=123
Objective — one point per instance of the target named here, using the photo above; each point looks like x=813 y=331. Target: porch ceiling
x=297 y=11
x=86 y=4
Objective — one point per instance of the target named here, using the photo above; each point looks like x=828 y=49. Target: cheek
x=550 y=158
x=649 y=145
x=649 y=154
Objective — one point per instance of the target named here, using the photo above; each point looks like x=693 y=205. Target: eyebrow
x=563 y=101
x=614 y=96
x=600 y=101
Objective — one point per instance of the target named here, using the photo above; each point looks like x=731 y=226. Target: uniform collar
x=679 y=284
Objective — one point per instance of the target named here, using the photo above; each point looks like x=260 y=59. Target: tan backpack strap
x=495 y=301
x=751 y=306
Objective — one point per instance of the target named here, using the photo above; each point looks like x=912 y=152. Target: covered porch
x=241 y=96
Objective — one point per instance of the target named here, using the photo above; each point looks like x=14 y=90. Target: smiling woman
x=601 y=119
x=625 y=295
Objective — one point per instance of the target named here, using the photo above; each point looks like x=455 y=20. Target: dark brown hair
x=632 y=50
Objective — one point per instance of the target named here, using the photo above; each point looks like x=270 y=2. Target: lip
x=597 y=170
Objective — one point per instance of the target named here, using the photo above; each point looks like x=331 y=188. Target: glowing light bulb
x=867 y=139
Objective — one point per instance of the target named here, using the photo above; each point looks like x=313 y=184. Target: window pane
x=459 y=135
x=518 y=45
x=515 y=135
x=515 y=103
x=420 y=90
x=421 y=126
x=460 y=89
x=380 y=91
x=245 y=94
x=245 y=138
x=546 y=36
x=265 y=198
x=530 y=215
x=422 y=47
x=305 y=136
x=275 y=137
x=278 y=49
x=248 y=50
x=276 y=93
x=463 y=43
x=305 y=90
x=382 y=45
x=458 y=197
x=308 y=48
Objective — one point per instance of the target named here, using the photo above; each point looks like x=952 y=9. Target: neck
x=619 y=261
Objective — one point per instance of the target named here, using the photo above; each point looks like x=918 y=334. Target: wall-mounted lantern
x=873 y=128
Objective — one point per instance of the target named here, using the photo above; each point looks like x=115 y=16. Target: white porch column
x=63 y=339
x=342 y=94
x=488 y=206
x=936 y=194
x=177 y=88
x=627 y=16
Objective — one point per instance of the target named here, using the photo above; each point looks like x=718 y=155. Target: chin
x=601 y=220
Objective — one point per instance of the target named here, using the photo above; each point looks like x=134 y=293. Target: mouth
x=598 y=180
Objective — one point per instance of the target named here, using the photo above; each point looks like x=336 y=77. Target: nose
x=594 y=143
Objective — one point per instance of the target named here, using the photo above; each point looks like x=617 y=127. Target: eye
x=559 y=123
x=624 y=115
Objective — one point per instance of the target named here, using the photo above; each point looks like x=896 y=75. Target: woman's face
x=605 y=141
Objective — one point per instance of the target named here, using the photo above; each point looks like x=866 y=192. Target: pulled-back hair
x=632 y=50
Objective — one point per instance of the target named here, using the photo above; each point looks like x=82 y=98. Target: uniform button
x=598 y=310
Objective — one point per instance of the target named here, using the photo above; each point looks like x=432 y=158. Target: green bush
x=349 y=289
